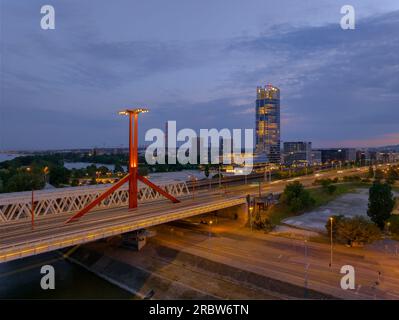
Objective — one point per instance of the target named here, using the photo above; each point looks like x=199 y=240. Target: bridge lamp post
x=133 y=152
x=29 y=169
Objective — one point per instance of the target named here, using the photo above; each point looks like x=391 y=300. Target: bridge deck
x=17 y=240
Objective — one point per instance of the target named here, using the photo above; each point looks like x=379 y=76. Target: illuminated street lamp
x=331 y=240
x=133 y=152
x=388 y=225
x=251 y=208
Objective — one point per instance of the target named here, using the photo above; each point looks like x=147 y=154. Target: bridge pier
x=239 y=213
x=135 y=240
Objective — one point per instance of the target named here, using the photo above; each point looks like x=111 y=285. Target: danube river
x=6 y=156
x=20 y=279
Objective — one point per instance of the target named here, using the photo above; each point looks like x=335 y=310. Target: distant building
x=338 y=155
x=298 y=152
x=387 y=157
x=268 y=122
x=361 y=156
x=316 y=157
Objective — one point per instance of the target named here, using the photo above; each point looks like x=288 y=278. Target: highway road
x=284 y=258
x=98 y=224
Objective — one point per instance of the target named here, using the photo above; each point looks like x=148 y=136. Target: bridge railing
x=18 y=205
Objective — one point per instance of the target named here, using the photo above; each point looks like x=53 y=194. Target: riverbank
x=161 y=271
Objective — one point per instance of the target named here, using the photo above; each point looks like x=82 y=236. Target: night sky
x=197 y=62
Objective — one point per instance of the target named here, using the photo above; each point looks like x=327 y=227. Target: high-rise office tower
x=268 y=122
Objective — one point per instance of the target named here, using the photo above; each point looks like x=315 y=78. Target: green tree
x=296 y=197
x=357 y=229
x=92 y=170
x=393 y=175
x=379 y=174
x=24 y=181
x=103 y=170
x=118 y=168
x=59 y=175
x=381 y=203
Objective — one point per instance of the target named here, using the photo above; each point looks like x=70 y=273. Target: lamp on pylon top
x=133 y=111
x=133 y=152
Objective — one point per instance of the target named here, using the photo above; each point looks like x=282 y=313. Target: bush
x=297 y=197
x=394 y=224
x=24 y=181
x=356 y=230
x=323 y=182
x=263 y=223
x=352 y=178
x=327 y=184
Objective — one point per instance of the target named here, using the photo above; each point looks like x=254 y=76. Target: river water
x=20 y=279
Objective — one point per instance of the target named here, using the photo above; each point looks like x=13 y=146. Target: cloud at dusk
x=62 y=88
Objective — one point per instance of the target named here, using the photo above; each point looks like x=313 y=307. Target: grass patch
x=281 y=211
x=322 y=197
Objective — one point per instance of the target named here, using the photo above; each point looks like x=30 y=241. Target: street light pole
x=331 y=240
x=306 y=268
x=33 y=211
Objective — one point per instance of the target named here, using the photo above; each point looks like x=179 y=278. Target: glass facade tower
x=268 y=122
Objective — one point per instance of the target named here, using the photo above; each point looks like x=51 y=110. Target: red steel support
x=158 y=189
x=132 y=180
x=99 y=199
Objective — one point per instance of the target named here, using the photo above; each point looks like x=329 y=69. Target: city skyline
x=76 y=77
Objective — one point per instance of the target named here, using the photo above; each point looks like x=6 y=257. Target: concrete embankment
x=162 y=272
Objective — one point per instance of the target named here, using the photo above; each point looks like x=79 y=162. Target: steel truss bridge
x=18 y=205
